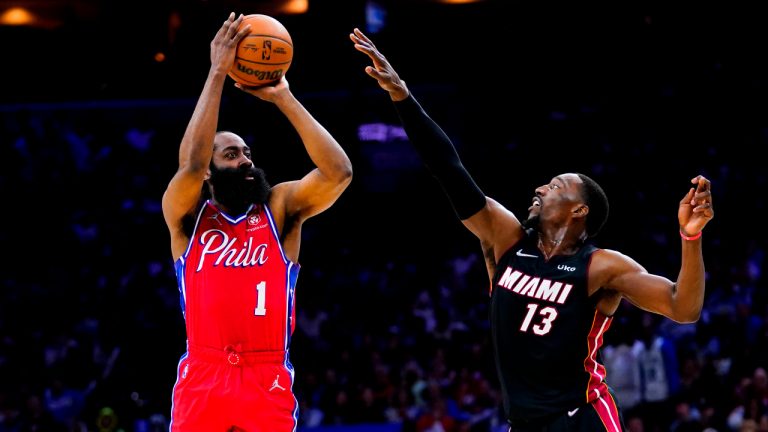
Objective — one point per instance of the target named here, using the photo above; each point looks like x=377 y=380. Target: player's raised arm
x=681 y=300
x=196 y=149
x=323 y=185
x=495 y=226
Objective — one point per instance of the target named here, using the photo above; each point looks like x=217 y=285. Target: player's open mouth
x=536 y=203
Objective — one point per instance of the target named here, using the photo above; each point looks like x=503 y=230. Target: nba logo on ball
x=264 y=54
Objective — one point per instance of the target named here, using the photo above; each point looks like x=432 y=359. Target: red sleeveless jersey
x=236 y=284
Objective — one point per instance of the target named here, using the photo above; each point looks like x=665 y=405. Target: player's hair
x=206 y=187
x=595 y=198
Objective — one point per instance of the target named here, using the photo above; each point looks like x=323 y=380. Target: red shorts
x=227 y=391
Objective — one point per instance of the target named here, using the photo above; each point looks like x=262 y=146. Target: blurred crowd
x=392 y=299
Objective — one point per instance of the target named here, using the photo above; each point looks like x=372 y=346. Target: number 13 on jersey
x=544 y=325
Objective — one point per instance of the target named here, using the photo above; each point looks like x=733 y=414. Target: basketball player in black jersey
x=552 y=294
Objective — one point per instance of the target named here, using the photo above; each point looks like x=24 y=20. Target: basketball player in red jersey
x=552 y=294
x=236 y=258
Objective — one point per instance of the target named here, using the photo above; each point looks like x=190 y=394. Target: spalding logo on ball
x=263 y=55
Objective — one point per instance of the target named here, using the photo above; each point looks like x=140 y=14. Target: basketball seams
x=261 y=63
x=269 y=36
x=266 y=33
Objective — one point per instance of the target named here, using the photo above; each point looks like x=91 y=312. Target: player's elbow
x=694 y=315
x=688 y=316
x=194 y=168
x=686 y=303
x=343 y=174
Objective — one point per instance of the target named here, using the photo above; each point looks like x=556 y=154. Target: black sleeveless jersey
x=547 y=331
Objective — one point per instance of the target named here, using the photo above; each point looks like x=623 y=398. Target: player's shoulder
x=611 y=260
x=606 y=265
x=279 y=197
x=279 y=192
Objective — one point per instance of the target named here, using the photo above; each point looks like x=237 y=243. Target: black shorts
x=600 y=415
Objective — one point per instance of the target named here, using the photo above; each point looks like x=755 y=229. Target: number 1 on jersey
x=261 y=299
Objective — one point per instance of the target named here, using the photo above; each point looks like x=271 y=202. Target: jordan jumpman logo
x=276 y=384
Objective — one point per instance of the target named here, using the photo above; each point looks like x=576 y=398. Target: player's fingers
x=225 y=25
x=228 y=22
x=703 y=191
x=701 y=182
x=242 y=33
x=232 y=30
x=703 y=196
x=381 y=77
x=704 y=185
x=364 y=47
x=371 y=54
x=372 y=71
x=362 y=36
x=704 y=208
x=688 y=197
x=378 y=60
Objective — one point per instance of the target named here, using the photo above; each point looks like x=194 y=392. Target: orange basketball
x=263 y=55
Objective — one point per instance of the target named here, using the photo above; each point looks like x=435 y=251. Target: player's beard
x=232 y=190
x=531 y=223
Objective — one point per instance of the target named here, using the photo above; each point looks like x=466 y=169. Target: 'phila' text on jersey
x=218 y=242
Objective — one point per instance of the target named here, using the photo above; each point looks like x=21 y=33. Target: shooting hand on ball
x=269 y=92
x=225 y=42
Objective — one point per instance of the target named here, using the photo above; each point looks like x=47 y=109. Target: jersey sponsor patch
x=255 y=222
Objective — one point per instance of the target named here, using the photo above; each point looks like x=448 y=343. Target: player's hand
x=269 y=92
x=224 y=44
x=696 y=207
x=381 y=71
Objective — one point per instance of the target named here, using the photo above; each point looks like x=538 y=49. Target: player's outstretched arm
x=494 y=225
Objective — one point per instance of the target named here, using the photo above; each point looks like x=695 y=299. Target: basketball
x=263 y=55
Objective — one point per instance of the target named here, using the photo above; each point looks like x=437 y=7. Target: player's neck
x=234 y=210
x=557 y=241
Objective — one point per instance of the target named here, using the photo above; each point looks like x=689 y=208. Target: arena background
x=95 y=96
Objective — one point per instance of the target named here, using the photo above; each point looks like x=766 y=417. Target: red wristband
x=689 y=238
